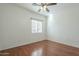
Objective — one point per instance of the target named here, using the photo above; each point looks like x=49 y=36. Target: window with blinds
x=36 y=26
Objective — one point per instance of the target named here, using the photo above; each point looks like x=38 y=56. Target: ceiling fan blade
x=47 y=9
x=35 y=4
x=39 y=10
x=49 y=4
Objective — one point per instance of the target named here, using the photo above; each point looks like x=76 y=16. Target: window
x=36 y=26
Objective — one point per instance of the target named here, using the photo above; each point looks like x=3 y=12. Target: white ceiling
x=53 y=8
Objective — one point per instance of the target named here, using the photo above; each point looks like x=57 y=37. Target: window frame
x=37 y=25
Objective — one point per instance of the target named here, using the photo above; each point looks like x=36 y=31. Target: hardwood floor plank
x=42 y=48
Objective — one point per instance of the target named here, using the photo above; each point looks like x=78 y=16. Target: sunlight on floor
x=38 y=52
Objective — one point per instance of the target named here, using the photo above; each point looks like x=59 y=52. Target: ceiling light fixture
x=43 y=6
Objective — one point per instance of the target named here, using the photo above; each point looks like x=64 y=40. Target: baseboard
x=50 y=48
x=25 y=44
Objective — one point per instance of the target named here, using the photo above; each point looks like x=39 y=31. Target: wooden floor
x=42 y=48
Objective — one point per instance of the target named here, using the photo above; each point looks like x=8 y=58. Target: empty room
x=39 y=29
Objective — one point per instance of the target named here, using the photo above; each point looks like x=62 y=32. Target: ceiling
x=53 y=8
x=35 y=8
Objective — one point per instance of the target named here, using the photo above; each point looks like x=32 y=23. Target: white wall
x=63 y=24
x=15 y=26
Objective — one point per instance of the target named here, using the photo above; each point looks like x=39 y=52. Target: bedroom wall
x=15 y=26
x=63 y=24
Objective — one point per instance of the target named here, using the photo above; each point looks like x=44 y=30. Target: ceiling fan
x=43 y=6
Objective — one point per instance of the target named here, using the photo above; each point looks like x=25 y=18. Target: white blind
x=36 y=26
